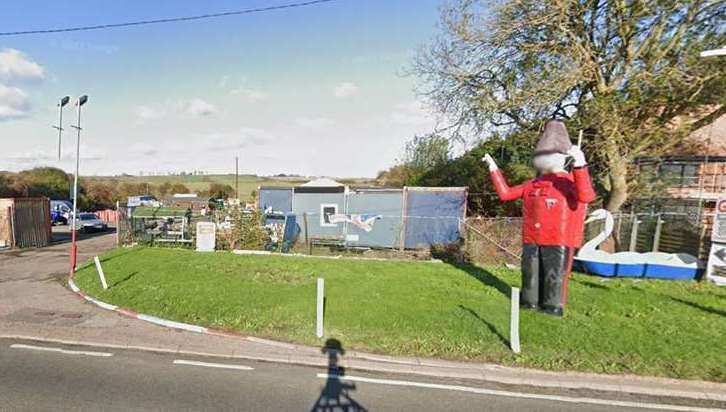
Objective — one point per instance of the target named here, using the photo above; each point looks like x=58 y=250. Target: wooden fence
x=25 y=222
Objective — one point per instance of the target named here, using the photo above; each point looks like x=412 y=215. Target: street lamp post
x=81 y=101
x=63 y=101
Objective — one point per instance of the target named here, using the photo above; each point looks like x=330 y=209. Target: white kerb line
x=320 y=299
x=100 y=272
x=212 y=365
x=514 y=322
x=59 y=350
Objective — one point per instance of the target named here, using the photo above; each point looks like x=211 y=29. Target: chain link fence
x=493 y=240
x=177 y=229
x=498 y=240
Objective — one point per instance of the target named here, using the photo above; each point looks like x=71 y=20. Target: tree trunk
x=618 y=184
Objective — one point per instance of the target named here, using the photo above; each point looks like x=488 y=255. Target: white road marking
x=59 y=350
x=212 y=365
x=555 y=398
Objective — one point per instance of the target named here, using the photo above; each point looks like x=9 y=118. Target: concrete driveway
x=33 y=296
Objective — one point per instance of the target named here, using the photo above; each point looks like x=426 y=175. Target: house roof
x=322 y=182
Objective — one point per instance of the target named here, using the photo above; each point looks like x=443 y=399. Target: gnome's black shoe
x=529 y=306
x=552 y=311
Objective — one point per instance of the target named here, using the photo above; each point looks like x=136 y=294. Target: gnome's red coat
x=554 y=206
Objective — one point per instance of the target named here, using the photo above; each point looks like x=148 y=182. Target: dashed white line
x=212 y=365
x=59 y=350
x=555 y=398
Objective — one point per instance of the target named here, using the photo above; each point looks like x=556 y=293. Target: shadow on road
x=335 y=396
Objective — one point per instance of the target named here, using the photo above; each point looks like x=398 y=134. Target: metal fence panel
x=433 y=216
x=386 y=230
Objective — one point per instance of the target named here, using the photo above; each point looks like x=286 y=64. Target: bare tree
x=626 y=72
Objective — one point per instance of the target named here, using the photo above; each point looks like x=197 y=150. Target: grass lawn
x=673 y=329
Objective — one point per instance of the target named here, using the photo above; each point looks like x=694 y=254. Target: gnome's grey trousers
x=545 y=271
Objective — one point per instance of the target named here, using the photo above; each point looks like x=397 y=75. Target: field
x=247 y=183
x=672 y=329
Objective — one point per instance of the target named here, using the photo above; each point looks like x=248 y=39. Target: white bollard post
x=514 y=322
x=321 y=297
x=100 y=272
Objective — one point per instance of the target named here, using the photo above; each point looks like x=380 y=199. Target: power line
x=167 y=20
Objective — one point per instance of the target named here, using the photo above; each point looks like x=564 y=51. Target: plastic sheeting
x=279 y=199
x=433 y=216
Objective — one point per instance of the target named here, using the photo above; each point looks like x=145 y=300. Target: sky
x=320 y=90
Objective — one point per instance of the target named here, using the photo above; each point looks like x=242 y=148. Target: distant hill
x=247 y=183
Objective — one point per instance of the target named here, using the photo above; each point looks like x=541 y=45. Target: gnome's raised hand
x=489 y=160
x=578 y=156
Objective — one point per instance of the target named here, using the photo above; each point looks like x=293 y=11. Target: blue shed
x=408 y=218
x=317 y=202
x=433 y=215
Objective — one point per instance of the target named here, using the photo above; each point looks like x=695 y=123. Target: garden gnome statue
x=554 y=213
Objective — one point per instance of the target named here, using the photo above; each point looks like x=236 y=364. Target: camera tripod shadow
x=335 y=396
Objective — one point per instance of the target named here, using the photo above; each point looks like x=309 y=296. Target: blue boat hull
x=610 y=269
x=635 y=270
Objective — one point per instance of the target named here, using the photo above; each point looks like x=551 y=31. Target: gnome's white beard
x=550 y=163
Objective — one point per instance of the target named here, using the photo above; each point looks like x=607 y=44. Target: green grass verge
x=662 y=328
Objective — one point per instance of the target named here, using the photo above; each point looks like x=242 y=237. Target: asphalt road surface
x=42 y=376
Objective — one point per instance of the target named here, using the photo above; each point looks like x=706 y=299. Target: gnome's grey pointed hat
x=554 y=139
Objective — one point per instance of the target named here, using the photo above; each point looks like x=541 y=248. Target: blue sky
x=316 y=90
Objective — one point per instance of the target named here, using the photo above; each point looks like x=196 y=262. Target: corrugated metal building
x=410 y=218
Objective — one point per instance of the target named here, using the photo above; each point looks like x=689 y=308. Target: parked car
x=144 y=200
x=89 y=222
x=57 y=218
x=60 y=212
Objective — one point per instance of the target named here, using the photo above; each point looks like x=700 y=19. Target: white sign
x=717 y=264
x=206 y=236
x=716 y=271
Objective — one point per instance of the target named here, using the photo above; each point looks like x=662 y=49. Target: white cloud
x=198 y=107
x=249 y=95
x=148 y=113
x=143 y=149
x=15 y=66
x=412 y=114
x=182 y=107
x=14 y=103
x=239 y=139
x=47 y=155
x=345 y=89
x=314 y=122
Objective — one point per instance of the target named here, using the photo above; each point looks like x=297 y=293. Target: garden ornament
x=554 y=207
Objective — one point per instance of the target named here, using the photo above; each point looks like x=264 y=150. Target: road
x=41 y=376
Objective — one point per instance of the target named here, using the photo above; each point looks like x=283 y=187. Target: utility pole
x=236 y=177
x=74 y=249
